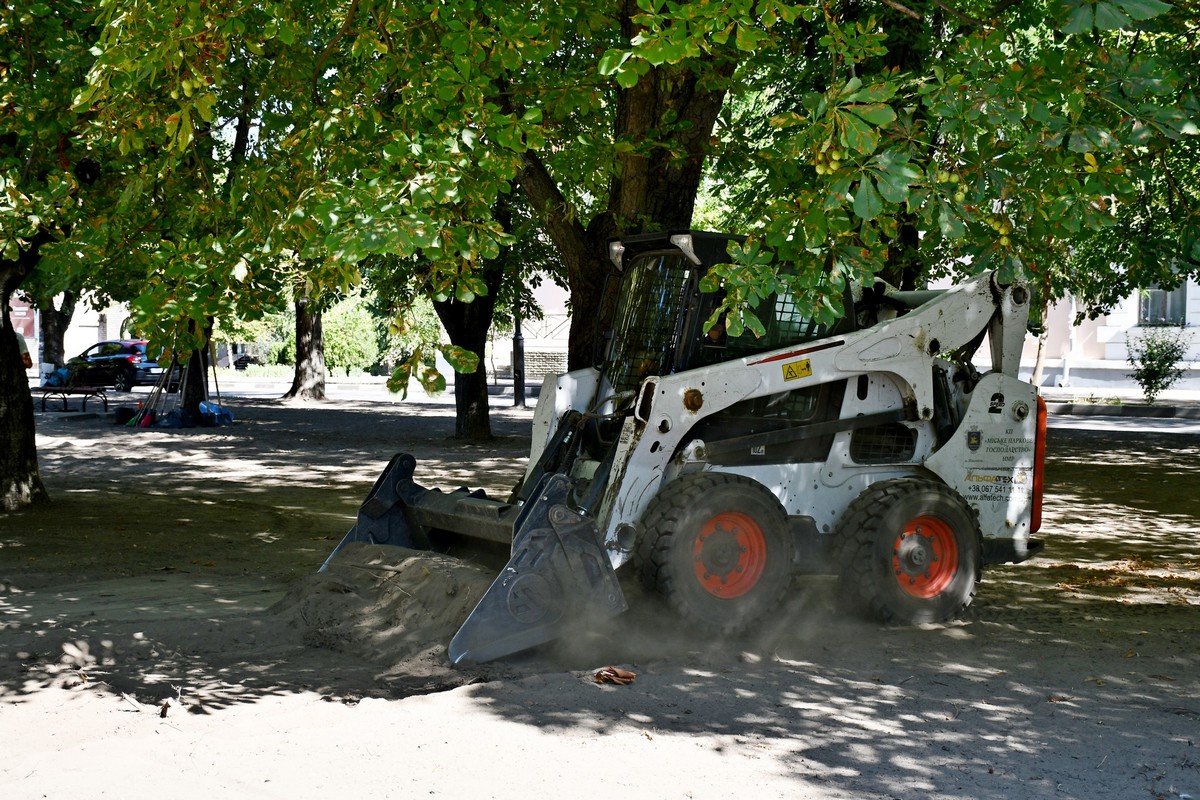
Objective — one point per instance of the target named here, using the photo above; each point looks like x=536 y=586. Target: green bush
x=267 y=371
x=350 y=337
x=1155 y=357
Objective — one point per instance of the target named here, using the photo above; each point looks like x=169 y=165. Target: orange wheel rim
x=925 y=557
x=729 y=554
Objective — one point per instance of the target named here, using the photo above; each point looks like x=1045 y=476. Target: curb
x=1122 y=410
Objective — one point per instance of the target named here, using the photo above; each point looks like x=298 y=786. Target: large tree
x=854 y=138
x=43 y=56
x=903 y=136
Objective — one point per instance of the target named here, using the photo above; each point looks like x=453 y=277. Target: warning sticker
x=794 y=370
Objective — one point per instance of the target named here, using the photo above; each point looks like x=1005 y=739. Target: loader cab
x=659 y=325
x=659 y=329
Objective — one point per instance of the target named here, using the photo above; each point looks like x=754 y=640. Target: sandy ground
x=162 y=633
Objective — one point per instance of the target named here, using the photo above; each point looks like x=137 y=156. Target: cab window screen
x=649 y=319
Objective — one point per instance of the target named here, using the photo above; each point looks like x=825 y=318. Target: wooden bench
x=66 y=392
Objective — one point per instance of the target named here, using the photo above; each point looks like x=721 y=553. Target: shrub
x=350 y=337
x=1155 y=357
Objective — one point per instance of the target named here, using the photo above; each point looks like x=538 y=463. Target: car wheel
x=122 y=381
x=716 y=547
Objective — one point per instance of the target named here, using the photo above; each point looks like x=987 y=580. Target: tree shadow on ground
x=165 y=591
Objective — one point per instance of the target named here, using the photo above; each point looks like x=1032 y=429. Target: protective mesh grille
x=649 y=320
x=883 y=444
x=792 y=323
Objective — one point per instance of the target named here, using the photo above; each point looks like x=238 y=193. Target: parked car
x=121 y=364
x=245 y=360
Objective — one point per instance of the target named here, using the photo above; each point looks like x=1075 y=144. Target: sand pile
x=389 y=605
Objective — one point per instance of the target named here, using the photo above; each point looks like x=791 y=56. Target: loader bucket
x=399 y=512
x=558 y=576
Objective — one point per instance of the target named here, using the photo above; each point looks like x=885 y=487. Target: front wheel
x=715 y=546
x=910 y=552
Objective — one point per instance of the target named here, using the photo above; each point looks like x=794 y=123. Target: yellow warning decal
x=794 y=370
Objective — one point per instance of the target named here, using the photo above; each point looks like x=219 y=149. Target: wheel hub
x=721 y=553
x=925 y=557
x=729 y=555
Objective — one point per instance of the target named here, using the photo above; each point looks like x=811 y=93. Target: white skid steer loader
x=721 y=467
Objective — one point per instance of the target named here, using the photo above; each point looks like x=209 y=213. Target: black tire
x=716 y=547
x=122 y=381
x=910 y=552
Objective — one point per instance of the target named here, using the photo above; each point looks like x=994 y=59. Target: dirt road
x=161 y=633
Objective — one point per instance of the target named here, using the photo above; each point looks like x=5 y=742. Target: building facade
x=1095 y=353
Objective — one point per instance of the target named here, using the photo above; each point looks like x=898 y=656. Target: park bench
x=66 y=392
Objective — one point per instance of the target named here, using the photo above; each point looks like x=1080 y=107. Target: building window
x=1163 y=306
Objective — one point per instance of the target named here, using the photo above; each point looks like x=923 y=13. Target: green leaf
x=875 y=113
x=432 y=381
x=857 y=134
x=874 y=94
x=893 y=186
x=1109 y=17
x=1039 y=113
x=612 y=61
x=754 y=324
x=733 y=324
x=1080 y=19
x=398 y=381
x=204 y=104
x=815 y=229
x=895 y=175
x=949 y=223
x=1143 y=9
x=867 y=202
x=463 y=361
x=627 y=77
x=1079 y=143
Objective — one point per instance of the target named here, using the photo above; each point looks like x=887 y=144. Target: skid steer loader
x=720 y=467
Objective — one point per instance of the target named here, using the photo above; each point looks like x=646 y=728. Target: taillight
x=1039 y=462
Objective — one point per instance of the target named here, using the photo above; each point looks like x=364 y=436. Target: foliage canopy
x=248 y=150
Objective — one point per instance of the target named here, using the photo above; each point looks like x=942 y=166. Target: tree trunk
x=653 y=188
x=907 y=51
x=1039 y=362
x=468 y=324
x=55 y=322
x=20 y=481
x=308 y=382
x=194 y=388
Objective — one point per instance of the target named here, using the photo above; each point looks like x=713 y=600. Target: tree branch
x=901 y=8
x=552 y=208
x=962 y=17
x=319 y=64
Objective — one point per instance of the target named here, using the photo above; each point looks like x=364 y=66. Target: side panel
x=558 y=395
x=991 y=459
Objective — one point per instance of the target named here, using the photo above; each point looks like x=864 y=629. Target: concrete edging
x=1123 y=410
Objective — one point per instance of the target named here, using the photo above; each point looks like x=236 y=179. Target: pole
x=518 y=360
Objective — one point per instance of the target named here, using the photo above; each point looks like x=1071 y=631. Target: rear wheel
x=911 y=552
x=716 y=547
x=122 y=381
